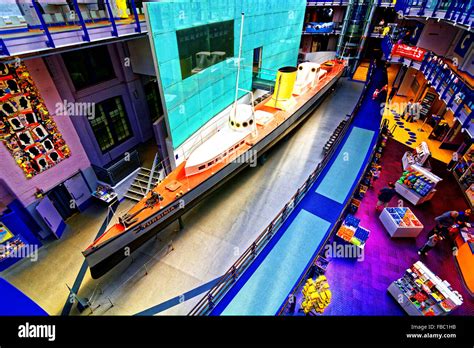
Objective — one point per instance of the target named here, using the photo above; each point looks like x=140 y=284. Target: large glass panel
x=204 y=46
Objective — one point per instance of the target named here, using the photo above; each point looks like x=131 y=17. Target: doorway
x=257 y=61
x=63 y=201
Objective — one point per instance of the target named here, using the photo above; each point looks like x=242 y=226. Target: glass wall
x=195 y=89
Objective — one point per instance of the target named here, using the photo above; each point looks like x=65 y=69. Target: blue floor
x=338 y=181
x=13 y=302
x=325 y=201
x=269 y=286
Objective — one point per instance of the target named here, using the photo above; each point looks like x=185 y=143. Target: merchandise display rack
x=419 y=156
x=417 y=185
x=351 y=231
x=421 y=293
x=401 y=222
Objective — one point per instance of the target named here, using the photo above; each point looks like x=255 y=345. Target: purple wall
x=126 y=84
x=12 y=174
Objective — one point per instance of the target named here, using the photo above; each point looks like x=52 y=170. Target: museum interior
x=236 y=157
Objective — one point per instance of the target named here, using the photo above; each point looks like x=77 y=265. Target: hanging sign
x=411 y=52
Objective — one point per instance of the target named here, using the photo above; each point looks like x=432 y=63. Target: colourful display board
x=5 y=234
x=272 y=25
x=26 y=126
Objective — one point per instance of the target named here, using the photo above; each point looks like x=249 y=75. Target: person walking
x=430 y=244
x=385 y=195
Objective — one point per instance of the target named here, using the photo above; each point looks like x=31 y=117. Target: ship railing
x=208 y=302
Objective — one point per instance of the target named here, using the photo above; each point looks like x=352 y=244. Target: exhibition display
x=421 y=293
x=419 y=156
x=417 y=184
x=401 y=222
x=214 y=159
x=317 y=295
x=351 y=231
x=105 y=193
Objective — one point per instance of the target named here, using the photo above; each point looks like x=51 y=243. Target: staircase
x=145 y=180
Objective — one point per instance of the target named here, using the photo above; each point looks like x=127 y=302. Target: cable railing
x=209 y=301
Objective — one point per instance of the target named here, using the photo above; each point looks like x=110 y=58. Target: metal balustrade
x=82 y=24
x=119 y=170
x=457 y=11
x=208 y=302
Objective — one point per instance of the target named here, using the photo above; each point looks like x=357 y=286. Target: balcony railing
x=458 y=11
x=58 y=26
x=119 y=170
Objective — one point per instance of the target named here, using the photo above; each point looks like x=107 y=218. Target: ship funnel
x=284 y=84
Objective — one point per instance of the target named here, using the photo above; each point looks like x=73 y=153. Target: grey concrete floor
x=215 y=232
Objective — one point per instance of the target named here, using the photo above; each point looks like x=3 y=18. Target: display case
x=105 y=193
x=419 y=156
x=351 y=231
x=401 y=222
x=421 y=293
x=417 y=184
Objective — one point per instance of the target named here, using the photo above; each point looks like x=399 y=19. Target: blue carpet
x=340 y=178
x=13 y=302
x=270 y=284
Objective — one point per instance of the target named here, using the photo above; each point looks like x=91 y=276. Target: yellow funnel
x=284 y=84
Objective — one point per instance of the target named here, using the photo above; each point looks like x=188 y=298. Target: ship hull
x=104 y=257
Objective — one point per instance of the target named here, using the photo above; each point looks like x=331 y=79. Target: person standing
x=385 y=195
x=464 y=218
x=413 y=111
x=443 y=222
x=430 y=244
x=453 y=162
x=407 y=109
x=392 y=94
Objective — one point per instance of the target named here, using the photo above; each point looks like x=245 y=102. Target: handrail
x=207 y=302
x=152 y=172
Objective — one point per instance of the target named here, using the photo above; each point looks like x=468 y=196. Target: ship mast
x=238 y=63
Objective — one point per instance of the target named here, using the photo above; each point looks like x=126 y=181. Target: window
x=203 y=46
x=88 y=67
x=110 y=124
x=153 y=100
x=201 y=167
